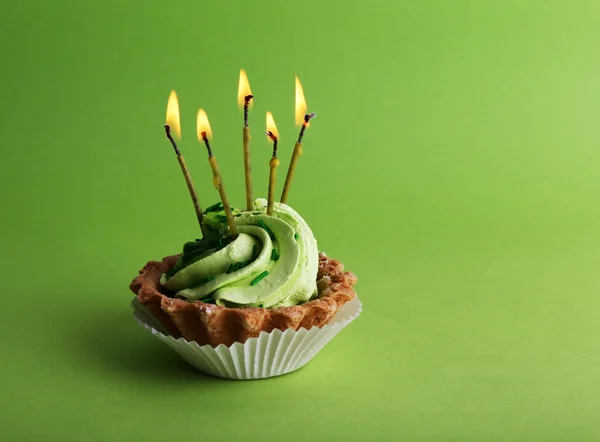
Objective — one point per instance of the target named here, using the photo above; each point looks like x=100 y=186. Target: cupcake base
x=246 y=343
x=215 y=325
x=270 y=354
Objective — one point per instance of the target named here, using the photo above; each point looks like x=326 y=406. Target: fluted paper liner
x=270 y=354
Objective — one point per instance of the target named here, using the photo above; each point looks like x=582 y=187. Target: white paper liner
x=270 y=354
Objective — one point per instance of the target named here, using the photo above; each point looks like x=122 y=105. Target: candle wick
x=307 y=118
x=170 y=137
x=207 y=144
x=273 y=137
x=247 y=99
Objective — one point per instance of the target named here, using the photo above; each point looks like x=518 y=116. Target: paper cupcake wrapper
x=270 y=354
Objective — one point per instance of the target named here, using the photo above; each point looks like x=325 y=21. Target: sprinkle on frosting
x=269 y=231
x=259 y=277
x=214 y=208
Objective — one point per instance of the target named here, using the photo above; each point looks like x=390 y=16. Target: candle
x=174 y=124
x=204 y=133
x=304 y=119
x=245 y=99
x=273 y=135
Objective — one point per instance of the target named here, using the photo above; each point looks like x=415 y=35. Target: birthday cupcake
x=253 y=297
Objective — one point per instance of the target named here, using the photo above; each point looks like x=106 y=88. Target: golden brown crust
x=214 y=325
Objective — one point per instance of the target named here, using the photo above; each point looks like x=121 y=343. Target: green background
x=453 y=166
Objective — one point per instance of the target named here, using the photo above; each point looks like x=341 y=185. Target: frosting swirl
x=273 y=261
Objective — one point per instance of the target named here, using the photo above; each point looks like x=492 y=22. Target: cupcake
x=266 y=294
x=252 y=298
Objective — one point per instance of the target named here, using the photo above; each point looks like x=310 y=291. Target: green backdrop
x=453 y=166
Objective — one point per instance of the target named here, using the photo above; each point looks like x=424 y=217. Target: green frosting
x=273 y=261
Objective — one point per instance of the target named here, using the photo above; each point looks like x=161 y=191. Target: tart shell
x=215 y=325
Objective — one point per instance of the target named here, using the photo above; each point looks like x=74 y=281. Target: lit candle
x=174 y=124
x=304 y=119
x=273 y=135
x=245 y=99
x=204 y=133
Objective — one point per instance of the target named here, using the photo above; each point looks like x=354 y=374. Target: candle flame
x=173 y=115
x=244 y=89
x=203 y=125
x=271 y=126
x=300 y=103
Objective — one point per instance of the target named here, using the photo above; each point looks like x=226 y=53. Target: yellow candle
x=273 y=164
x=247 y=167
x=204 y=133
x=273 y=135
x=303 y=119
x=218 y=183
x=174 y=124
x=290 y=174
x=245 y=99
x=192 y=191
